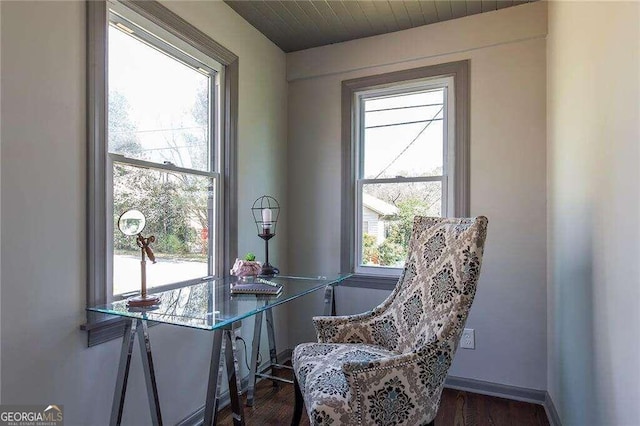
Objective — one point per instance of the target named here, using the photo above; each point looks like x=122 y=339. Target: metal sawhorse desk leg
x=273 y=355
x=329 y=309
x=136 y=326
x=223 y=339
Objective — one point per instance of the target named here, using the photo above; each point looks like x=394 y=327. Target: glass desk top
x=209 y=305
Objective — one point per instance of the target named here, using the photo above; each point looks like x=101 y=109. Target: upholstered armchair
x=388 y=366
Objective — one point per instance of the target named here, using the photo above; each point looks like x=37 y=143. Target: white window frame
x=447 y=178
x=457 y=158
x=99 y=162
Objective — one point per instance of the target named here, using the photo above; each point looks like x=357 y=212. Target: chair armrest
x=344 y=329
x=414 y=381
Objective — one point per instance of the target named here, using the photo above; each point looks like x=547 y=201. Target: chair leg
x=297 y=411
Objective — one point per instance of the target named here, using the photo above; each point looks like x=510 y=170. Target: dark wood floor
x=274 y=406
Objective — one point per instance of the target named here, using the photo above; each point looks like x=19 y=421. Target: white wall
x=594 y=195
x=508 y=174
x=44 y=354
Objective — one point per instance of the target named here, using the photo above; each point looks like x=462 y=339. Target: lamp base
x=269 y=270
x=143 y=301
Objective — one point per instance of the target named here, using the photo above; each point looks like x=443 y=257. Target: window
x=405 y=154
x=163 y=152
x=162 y=102
x=402 y=146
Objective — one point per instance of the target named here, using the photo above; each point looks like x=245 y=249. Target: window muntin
x=163 y=155
x=404 y=148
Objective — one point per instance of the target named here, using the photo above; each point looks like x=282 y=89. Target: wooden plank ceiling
x=302 y=24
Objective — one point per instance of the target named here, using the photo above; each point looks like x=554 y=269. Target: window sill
x=376 y=282
x=105 y=330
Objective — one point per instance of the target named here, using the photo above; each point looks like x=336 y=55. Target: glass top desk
x=207 y=306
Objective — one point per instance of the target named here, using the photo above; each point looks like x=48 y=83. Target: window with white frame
x=163 y=153
x=408 y=158
x=162 y=105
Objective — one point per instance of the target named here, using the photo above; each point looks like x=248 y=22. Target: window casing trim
x=99 y=329
x=459 y=190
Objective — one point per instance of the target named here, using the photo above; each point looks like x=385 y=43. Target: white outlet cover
x=468 y=339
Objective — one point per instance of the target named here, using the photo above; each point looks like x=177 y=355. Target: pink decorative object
x=246 y=268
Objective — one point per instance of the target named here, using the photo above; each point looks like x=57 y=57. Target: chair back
x=437 y=286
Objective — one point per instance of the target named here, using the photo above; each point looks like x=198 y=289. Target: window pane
x=404 y=135
x=177 y=208
x=397 y=117
x=158 y=107
x=388 y=210
x=406 y=100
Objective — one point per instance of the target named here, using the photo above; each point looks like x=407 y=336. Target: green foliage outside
x=410 y=203
x=370 y=252
x=171 y=202
x=162 y=201
x=391 y=253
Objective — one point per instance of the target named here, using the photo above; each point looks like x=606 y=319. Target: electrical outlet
x=468 y=340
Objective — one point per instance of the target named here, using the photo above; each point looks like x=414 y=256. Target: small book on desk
x=256 y=288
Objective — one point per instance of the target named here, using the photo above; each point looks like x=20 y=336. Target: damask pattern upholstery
x=387 y=366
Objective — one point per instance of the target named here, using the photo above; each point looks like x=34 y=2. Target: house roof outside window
x=379 y=206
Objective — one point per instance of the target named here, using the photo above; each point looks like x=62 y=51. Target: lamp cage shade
x=266 y=211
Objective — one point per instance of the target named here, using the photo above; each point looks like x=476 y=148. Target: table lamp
x=265 y=211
